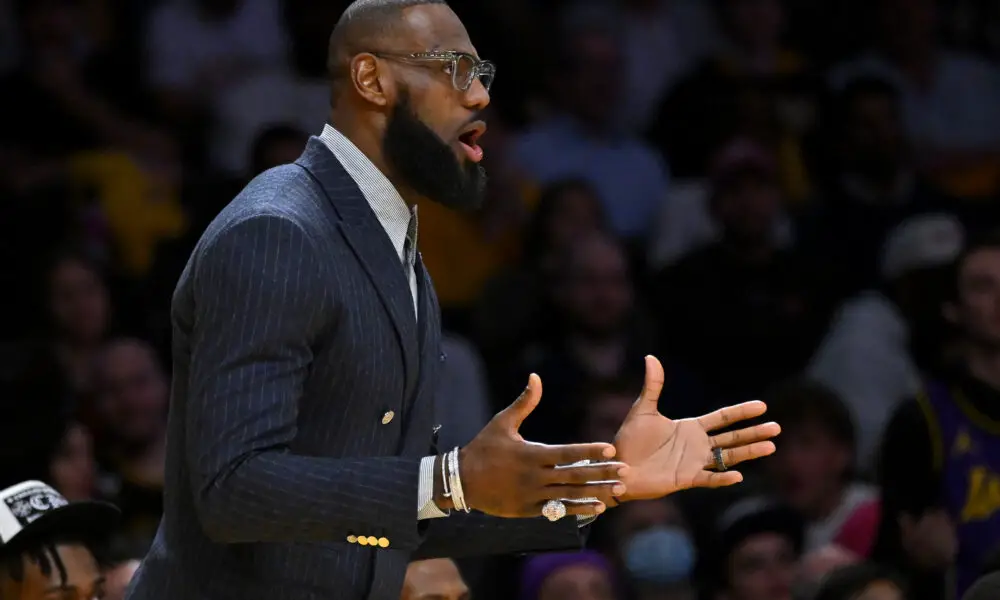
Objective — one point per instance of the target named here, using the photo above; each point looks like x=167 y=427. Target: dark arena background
x=787 y=200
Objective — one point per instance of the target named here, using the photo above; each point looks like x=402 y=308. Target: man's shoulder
x=285 y=196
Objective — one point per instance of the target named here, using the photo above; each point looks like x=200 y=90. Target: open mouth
x=468 y=138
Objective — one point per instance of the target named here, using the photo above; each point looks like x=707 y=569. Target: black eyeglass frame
x=480 y=68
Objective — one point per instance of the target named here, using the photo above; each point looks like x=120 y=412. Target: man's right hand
x=505 y=476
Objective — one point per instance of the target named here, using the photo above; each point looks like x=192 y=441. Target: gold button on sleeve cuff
x=372 y=540
x=383 y=542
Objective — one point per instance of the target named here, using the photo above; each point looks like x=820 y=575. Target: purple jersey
x=966 y=447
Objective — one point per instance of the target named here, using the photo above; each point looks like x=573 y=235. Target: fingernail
x=622 y=471
x=609 y=452
x=599 y=508
x=618 y=489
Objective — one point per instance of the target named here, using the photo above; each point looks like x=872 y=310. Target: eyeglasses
x=463 y=67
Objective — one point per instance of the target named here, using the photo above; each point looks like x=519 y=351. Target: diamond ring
x=554 y=510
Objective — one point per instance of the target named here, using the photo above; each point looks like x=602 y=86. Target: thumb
x=515 y=414
x=652 y=385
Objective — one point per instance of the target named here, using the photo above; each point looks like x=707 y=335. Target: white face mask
x=662 y=555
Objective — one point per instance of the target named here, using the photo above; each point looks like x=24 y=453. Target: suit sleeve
x=261 y=306
x=463 y=535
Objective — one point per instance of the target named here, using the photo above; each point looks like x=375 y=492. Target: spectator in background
x=862 y=582
x=78 y=307
x=870 y=184
x=951 y=100
x=814 y=470
x=918 y=543
x=62 y=100
x=654 y=548
x=297 y=94
x=869 y=356
x=584 y=575
x=198 y=49
x=662 y=39
x=941 y=455
x=512 y=308
x=40 y=444
x=596 y=335
x=756 y=551
x=73 y=466
x=579 y=140
x=605 y=407
x=721 y=305
x=751 y=86
x=132 y=403
x=48 y=546
x=434 y=579
x=276 y=145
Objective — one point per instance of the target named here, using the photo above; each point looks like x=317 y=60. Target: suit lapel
x=422 y=414
x=371 y=245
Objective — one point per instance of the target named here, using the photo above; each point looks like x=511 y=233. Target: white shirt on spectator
x=183 y=45
x=629 y=177
x=959 y=110
x=865 y=358
x=659 y=47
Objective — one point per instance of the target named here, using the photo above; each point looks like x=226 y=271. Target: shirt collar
x=383 y=198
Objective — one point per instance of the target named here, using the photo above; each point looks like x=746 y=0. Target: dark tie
x=410 y=244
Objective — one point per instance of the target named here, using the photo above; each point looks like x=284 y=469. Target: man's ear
x=372 y=79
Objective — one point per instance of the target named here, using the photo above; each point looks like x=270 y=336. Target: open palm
x=665 y=456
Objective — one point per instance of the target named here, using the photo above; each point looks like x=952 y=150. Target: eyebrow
x=65 y=586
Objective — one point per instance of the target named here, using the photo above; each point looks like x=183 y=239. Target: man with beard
x=941 y=452
x=301 y=461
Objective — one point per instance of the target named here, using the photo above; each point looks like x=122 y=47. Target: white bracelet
x=458 y=494
x=444 y=476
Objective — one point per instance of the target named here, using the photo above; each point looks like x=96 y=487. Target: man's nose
x=477 y=97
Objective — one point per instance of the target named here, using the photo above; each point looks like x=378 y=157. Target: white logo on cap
x=31 y=503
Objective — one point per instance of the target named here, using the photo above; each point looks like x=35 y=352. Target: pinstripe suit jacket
x=294 y=334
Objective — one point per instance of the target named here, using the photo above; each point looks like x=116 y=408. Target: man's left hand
x=665 y=456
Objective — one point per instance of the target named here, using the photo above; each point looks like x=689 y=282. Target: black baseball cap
x=755 y=515
x=33 y=510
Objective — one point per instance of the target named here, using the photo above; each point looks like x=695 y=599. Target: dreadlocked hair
x=42 y=552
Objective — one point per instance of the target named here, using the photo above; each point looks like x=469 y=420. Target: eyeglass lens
x=467 y=68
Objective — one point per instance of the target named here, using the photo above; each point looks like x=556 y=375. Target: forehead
x=982 y=263
x=433 y=578
x=434 y=27
x=76 y=561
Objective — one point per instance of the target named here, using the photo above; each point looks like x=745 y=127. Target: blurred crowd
x=794 y=201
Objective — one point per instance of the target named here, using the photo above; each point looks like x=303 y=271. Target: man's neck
x=984 y=365
x=369 y=142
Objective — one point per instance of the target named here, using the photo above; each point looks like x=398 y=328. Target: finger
x=747 y=435
x=550 y=456
x=606 y=492
x=734 y=456
x=732 y=414
x=515 y=414
x=582 y=509
x=709 y=479
x=570 y=475
x=652 y=385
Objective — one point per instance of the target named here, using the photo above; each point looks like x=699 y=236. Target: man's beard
x=428 y=165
